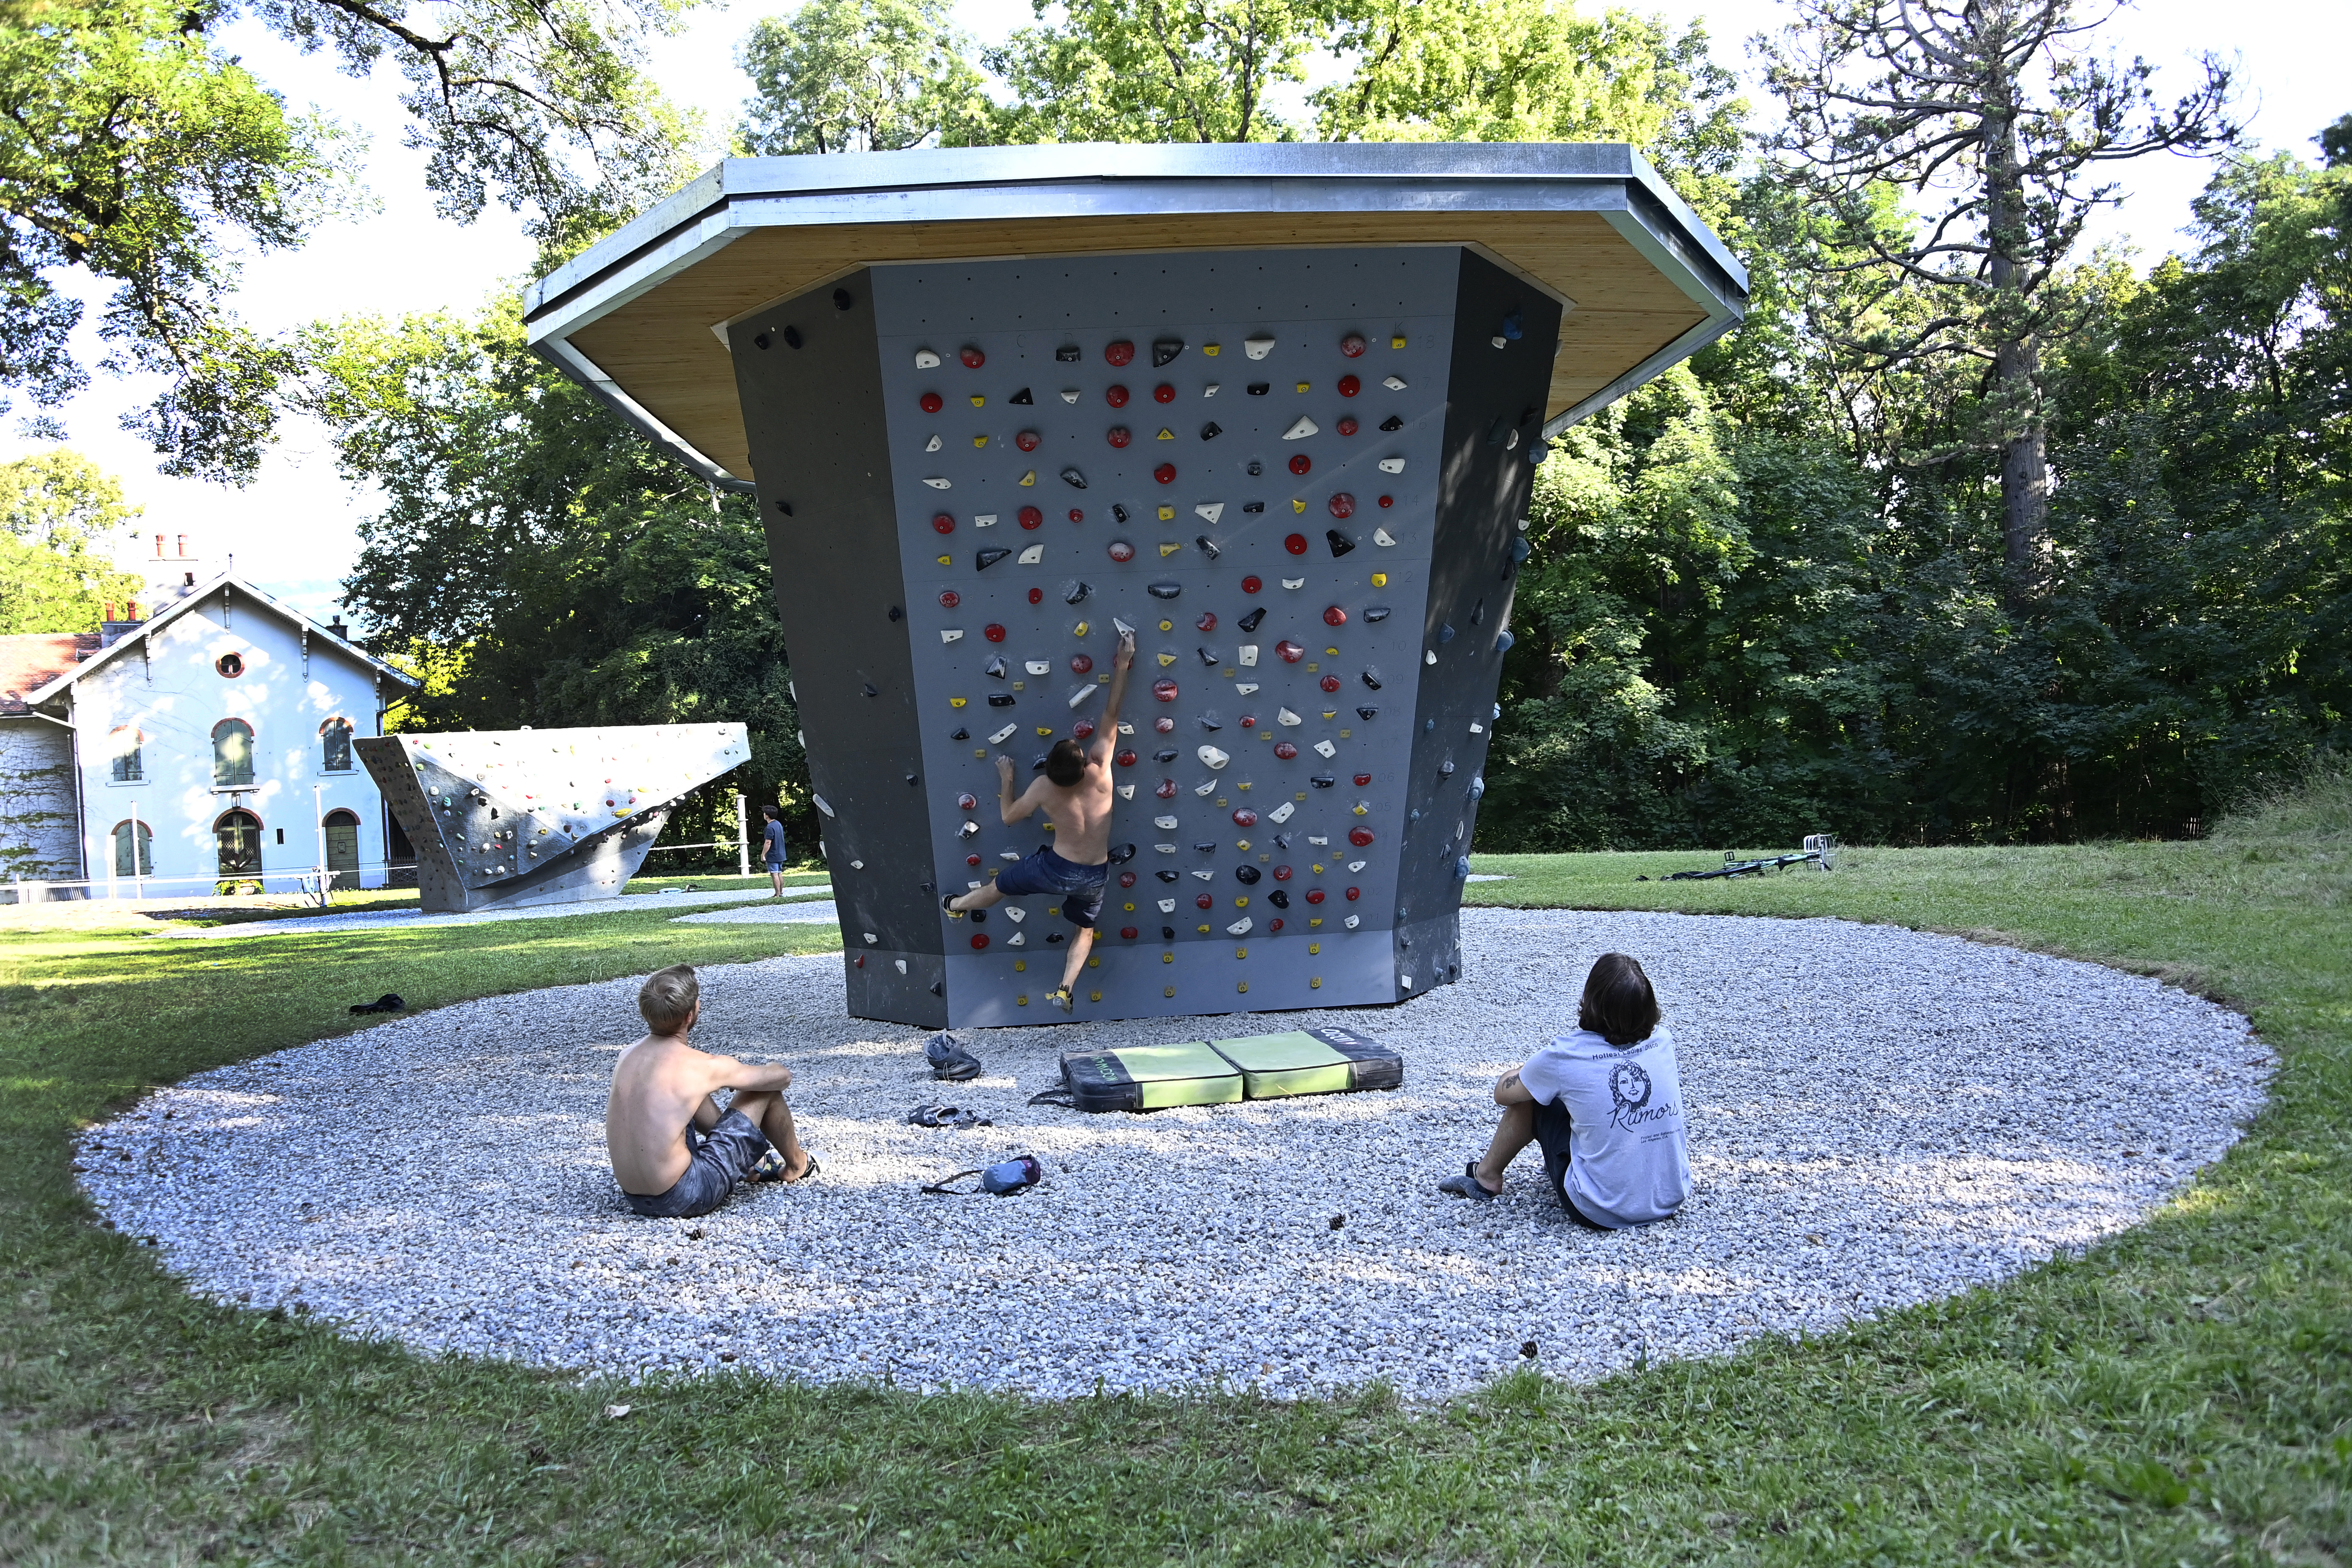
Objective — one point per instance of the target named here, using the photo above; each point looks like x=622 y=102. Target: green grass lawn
x=2184 y=1395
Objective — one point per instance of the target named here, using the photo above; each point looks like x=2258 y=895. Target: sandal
x=930 y=1115
x=1467 y=1185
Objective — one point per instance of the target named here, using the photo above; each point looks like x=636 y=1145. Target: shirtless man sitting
x=674 y=1153
x=1076 y=796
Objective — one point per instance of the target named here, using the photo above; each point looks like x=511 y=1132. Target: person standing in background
x=772 y=850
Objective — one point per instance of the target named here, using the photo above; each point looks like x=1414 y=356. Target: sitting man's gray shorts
x=722 y=1157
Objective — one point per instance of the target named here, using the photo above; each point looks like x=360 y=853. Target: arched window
x=238 y=838
x=125 y=865
x=335 y=745
x=344 y=846
x=122 y=747
x=232 y=752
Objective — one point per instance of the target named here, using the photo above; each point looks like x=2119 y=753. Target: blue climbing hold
x=1520 y=550
x=1502 y=642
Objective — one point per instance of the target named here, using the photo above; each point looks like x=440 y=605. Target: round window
x=231 y=665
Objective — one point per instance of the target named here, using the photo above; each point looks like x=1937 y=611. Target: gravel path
x=416 y=920
x=1878 y=1116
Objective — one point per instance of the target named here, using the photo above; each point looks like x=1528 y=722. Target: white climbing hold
x=1033 y=554
x=857 y=865
x=1392 y=465
x=1069 y=394
x=1206 y=786
x=1213 y=757
x=1239 y=927
x=969 y=830
x=1352 y=922
x=1002 y=735
x=1121 y=627
x=901 y=964
x=1394 y=382
x=1301 y=429
x=1476 y=728
x=1083 y=692
x=871 y=939
x=1126 y=792
x=925 y=359
x=1293 y=582
x=933 y=445
x=1286 y=716
x=1381 y=537
x=1209 y=511
x=950 y=634
x=1015 y=913
x=1039 y=667
x=1018 y=939
x=1358 y=865
x=1165 y=824
x=823 y=807
x=1257 y=347
x=1326 y=749
x=1318 y=838
x=1282 y=813
x=1209 y=390
x=1167 y=906
x=985 y=520
x=1245 y=688
x=1430 y=657
x=938 y=483
x=1247 y=655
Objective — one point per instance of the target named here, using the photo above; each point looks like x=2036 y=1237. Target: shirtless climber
x=1076 y=795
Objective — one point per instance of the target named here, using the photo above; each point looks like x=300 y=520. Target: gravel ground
x=415 y=920
x=786 y=913
x=1878 y=1116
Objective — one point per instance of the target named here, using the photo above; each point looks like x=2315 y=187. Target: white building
x=210 y=742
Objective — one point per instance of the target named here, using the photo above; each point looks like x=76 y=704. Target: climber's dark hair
x=1618 y=1005
x=1066 y=764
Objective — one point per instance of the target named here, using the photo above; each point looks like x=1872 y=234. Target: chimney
x=341 y=630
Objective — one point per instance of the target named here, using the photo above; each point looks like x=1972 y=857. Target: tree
x=58 y=512
x=133 y=149
x=537 y=561
x=1156 y=71
x=1991 y=114
x=860 y=76
x=1532 y=70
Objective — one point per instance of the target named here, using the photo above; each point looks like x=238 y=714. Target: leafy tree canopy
x=59 y=516
x=860 y=76
x=1156 y=71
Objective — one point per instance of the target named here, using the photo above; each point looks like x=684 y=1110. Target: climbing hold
x=1340 y=544
x=1211 y=430
x=1392 y=423
x=1290 y=651
x=1120 y=352
x=1165 y=590
x=1348 y=425
x=1329 y=683
x=1251 y=584
x=1120 y=436
x=1358 y=837
x=1240 y=928
x=1284 y=750
x=984 y=558
x=1300 y=464
x=1367 y=714
x=1378 y=612
x=943 y=523
x=1287 y=718
x=925 y=359
x=1333 y=616
x=1371 y=678
x=1301 y=428
x=1245 y=818
x=1209 y=656
x=1165 y=690
x=1295 y=544
x=950 y=634
x=1341 y=504
x=1503 y=641
x=1075 y=591
x=1326 y=749
x=1068 y=353
x=1392 y=465
x=938 y=483
x=1026 y=440
x=1210 y=511
x=1165 y=349
x=1353 y=345
x=1445 y=633
x=1394 y=382
x=1074 y=478
x=1037 y=596
x=1165 y=473
x=1212 y=758
x=1257 y=347
x=1207 y=622
x=1116 y=395
x=1032 y=555
x=1246 y=656
x=1163 y=393
x=1513 y=328
x=973 y=358
x=1029 y=477
x=932 y=402
x=950 y=599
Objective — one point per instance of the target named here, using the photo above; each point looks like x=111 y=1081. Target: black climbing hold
x=1209 y=656
x=1429 y=726
x=1211 y=430
x=1122 y=855
x=1247 y=876
x=1393 y=422
x=1165 y=590
x=1371 y=678
x=895 y=613
x=1368 y=713
x=1322 y=780
x=1022 y=398
x=1340 y=544
x=1478 y=612
x=1076 y=593
x=1282 y=841
x=792 y=337
x=1206 y=849
x=760 y=339
x=1037 y=764
x=1503 y=641
x=1118 y=513
x=871 y=690
x=1210 y=721
x=1537 y=451
x=1278 y=899
x=980 y=917
x=1495 y=432
x=1165 y=876
x=1054 y=939
x=1249 y=623
x=1260 y=388
x=842 y=300
x=984 y=558
x=785 y=507
x=1000 y=699
x=1255 y=468
x=1168 y=933
x=1414 y=815
x=1445 y=633
x=1068 y=353
x=1075 y=479
x=939 y=987
x=1377 y=613
x=1253 y=506
x=995 y=666
x=1167 y=756
x=1164 y=351
x=961 y=734
x=910 y=778
x=1208 y=547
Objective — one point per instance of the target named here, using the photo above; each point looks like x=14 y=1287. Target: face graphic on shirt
x=1629 y=1088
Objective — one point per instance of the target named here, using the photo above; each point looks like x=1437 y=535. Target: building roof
x=96 y=658
x=638 y=318
x=31 y=660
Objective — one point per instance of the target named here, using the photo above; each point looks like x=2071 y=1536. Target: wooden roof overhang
x=639 y=317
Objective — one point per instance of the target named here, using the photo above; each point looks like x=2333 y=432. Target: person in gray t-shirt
x=772 y=849
x=1606 y=1104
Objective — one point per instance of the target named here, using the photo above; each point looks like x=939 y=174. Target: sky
x=294 y=531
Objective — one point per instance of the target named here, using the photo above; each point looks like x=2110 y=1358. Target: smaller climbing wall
x=510 y=818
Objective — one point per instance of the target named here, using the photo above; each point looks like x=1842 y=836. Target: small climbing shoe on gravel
x=1467 y=1185
x=1061 y=997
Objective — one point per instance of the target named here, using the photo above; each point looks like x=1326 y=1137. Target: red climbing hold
x=1077 y=516
x=1333 y=616
x=1314 y=895
x=1207 y=622
x=1164 y=724
x=1127 y=931
x=1120 y=352
x=1165 y=473
x=1300 y=463
x=973 y=358
x=1031 y=517
x=1296 y=544
x=950 y=599
x=971 y=860
x=1363 y=779
x=1290 y=651
x=1036 y=595
x=1249 y=720
x=1342 y=504
x=1081 y=663
x=1284 y=750
x=1120 y=550
x=1204 y=901
x=1127 y=759
x=1275 y=924
x=1353 y=346
x=1387 y=501
x=1354 y=893
x=1245 y=818
x=1163 y=393
x=1359 y=836
x=967 y=802
x=932 y=403
x=1084 y=729
x=943 y=523
x=1282 y=873
x=1251 y=584
x=861 y=961
x=1115 y=396
x=1026 y=440
x=1348 y=425
x=1164 y=689
x=992 y=632
x=1126 y=878
x=1349 y=386
x=1167 y=790
x=978 y=939
x=1330 y=683
x=1120 y=436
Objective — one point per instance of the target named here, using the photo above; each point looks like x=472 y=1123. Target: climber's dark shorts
x=1047 y=872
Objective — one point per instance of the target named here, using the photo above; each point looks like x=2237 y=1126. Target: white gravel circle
x=1878 y=1116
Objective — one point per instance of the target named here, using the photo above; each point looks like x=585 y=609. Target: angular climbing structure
x=1276 y=408
x=503 y=818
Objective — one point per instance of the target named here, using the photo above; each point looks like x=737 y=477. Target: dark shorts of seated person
x=722 y=1157
x=1552 y=1127
x=1047 y=872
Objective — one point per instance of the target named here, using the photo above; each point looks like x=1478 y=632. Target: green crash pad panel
x=1311 y=1061
x=1218 y=1072
x=1151 y=1078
